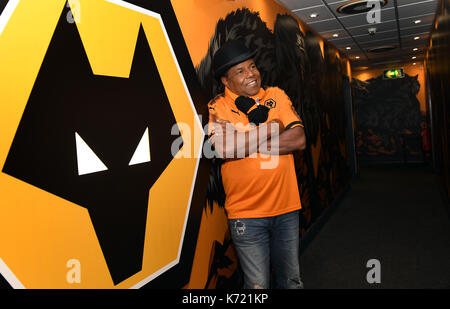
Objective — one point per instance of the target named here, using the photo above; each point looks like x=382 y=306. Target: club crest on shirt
x=270 y=103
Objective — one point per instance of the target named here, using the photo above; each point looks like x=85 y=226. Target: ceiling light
x=313 y=15
x=335 y=35
x=357 y=57
x=413 y=57
x=348 y=47
x=416 y=37
x=415 y=48
x=418 y=21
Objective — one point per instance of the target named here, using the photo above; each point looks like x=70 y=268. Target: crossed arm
x=268 y=138
x=290 y=140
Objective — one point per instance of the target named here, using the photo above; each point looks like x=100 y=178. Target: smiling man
x=249 y=123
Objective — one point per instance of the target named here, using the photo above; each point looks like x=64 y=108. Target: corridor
x=393 y=214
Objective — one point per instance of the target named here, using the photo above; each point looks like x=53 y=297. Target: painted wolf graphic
x=293 y=61
x=282 y=61
x=71 y=113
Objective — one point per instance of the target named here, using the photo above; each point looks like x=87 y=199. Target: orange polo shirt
x=258 y=185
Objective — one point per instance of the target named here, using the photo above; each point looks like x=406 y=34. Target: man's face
x=243 y=79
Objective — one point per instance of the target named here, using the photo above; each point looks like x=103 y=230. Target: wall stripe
x=7 y=13
x=9 y=276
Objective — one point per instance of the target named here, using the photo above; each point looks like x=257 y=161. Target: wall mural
x=388 y=119
x=314 y=86
x=87 y=107
x=293 y=60
x=88 y=175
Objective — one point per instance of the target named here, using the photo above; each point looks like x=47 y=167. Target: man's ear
x=224 y=80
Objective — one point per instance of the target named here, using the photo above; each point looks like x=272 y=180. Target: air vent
x=391 y=61
x=358 y=6
x=381 y=49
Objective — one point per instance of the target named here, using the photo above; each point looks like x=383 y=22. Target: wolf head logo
x=79 y=139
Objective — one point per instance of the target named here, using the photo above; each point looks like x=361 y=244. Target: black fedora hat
x=230 y=54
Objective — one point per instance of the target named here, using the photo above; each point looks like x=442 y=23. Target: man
x=262 y=201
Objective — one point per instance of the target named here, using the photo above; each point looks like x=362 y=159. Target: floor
x=391 y=215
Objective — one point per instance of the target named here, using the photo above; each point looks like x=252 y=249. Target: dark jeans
x=262 y=242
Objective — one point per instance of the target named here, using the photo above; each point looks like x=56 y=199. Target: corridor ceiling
x=404 y=25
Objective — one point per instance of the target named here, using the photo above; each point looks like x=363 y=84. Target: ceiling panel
x=350 y=53
x=325 y=26
x=384 y=62
x=322 y=11
x=415 y=30
x=342 y=42
x=352 y=57
x=361 y=19
x=408 y=41
x=413 y=37
x=409 y=21
x=419 y=8
x=397 y=27
x=379 y=36
x=396 y=53
x=295 y=4
x=341 y=34
x=372 y=44
x=381 y=27
x=404 y=2
x=334 y=1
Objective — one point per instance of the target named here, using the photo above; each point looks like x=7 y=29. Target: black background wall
x=388 y=119
x=438 y=71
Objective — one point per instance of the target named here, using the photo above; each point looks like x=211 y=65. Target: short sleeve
x=287 y=113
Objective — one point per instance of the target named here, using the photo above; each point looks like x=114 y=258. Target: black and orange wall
x=315 y=86
x=391 y=115
x=437 y=67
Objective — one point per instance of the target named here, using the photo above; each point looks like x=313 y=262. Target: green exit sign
x=393 y=73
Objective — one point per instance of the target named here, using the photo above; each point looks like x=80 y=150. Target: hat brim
x=225 y=67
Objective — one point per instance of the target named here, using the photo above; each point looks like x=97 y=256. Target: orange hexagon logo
x=89 y=108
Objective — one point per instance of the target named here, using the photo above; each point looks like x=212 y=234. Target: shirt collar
x=233 y=96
